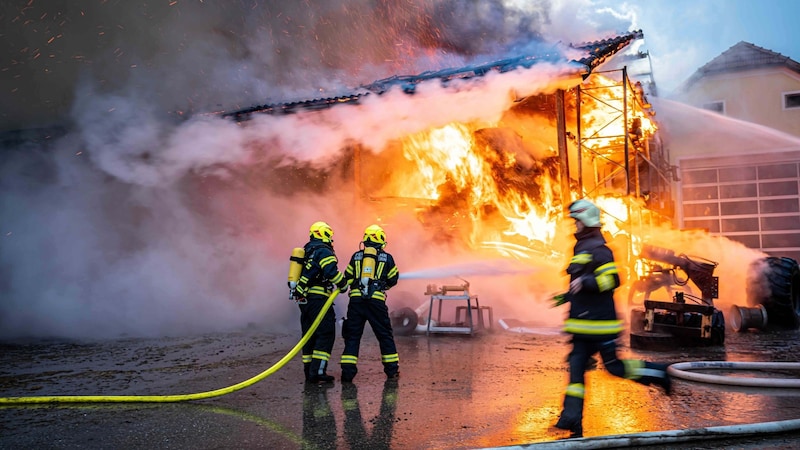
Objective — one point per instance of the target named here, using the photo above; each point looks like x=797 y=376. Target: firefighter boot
x=657 y=374
x=665 y=379
x=317 y=373
x=306 y=371
x=572 y=416
x=392 y=370
x=349 y=372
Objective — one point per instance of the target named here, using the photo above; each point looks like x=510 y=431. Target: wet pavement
x=492 y=389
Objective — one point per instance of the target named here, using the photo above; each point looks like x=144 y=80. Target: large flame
x=462 y=174
x=498 y=185
x=605 y=103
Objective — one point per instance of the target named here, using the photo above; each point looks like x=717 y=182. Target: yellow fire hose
x=179 y=397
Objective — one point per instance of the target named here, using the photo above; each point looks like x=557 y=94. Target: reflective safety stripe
x=321 y=290
x=576 y=390
x=604 y=275
x=392 y=272
x=377 y=295
x=655 y=373
x=327 y=260
x=581 y=258
x=349 y=359
x=598 y=327
x=390 y=358
x=331 y=260
x=306 y=359
x=319 y=354
x=336 y=279
x=634 y=368
x=379 y=270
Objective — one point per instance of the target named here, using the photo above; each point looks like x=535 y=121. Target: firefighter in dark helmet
x=371 y=272
x=319 y=277
x=593 y=319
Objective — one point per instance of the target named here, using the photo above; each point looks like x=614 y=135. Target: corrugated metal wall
x=751 y=199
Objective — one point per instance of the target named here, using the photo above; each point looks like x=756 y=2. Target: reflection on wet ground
x=488 y=390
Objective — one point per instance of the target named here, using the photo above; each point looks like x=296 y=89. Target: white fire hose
x=682 y=370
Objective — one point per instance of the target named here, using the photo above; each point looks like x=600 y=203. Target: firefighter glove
x=575 y=285
x=559 y=299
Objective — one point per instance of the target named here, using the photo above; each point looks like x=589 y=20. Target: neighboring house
x=739 y=165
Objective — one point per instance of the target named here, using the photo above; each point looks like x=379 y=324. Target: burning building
x=558 y=130
x=555 y=130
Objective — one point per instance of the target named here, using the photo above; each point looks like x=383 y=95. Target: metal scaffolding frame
x=639 y=161
x=630 y=158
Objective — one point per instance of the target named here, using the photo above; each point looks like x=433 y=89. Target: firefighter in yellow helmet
x=319 y=277
x=370 y=273
x=593 y=319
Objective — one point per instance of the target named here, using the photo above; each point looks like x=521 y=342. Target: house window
x=718 y=107
x=791 y=100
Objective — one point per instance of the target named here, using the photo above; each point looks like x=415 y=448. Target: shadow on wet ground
x=491 y=389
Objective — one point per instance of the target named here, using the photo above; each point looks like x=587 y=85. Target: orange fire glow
x=497 y=186
x=483 y=181
x=452 y=168
x=605 y=103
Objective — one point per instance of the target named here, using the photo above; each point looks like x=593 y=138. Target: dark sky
x=193 y=55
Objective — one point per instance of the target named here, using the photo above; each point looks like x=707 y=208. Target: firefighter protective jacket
x=592 y=313
x=320 y=270
x=386 y=275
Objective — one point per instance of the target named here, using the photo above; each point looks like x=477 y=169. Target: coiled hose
x=179 y=397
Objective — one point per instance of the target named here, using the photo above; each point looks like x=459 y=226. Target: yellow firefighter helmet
x=321 y=231
x=375 y=234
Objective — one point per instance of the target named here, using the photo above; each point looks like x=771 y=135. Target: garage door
x=752 y=199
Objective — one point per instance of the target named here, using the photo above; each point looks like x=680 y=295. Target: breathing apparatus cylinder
x=295 y=267
x=368 y=268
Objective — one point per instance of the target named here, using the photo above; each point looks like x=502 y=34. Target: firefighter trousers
x=642 y=372
x=317 y=351
x=359 y=313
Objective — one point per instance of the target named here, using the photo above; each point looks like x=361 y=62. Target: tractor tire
x=774 y=282
x=404 y=321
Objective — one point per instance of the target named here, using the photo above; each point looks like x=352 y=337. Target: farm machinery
x=686 y=320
